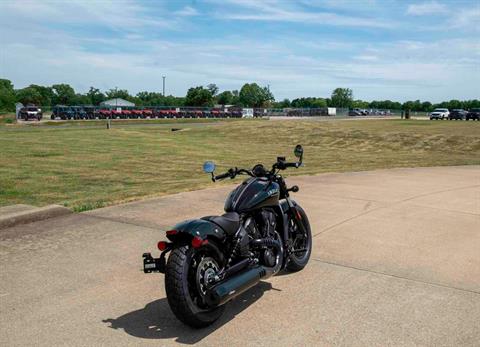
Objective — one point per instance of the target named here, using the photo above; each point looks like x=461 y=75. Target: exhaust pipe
x=232 y=287
x=239 y=283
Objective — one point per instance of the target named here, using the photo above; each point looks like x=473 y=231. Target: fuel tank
x=253 y=193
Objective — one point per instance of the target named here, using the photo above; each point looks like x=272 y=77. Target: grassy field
x=89 y=167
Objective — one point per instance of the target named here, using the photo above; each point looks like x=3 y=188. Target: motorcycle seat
x=229 y=222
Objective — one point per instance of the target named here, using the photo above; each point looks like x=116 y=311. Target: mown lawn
x=89 y=167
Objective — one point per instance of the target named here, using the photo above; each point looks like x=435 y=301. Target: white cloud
x=187 y=11
x=284 y=11
x=366 y=57
x=467 y=18
x=426 y=8
x=294 y=62
x=127 y=15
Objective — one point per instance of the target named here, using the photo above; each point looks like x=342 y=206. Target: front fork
x=294 y=213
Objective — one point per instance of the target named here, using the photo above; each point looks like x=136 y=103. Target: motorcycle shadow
x=156 y=320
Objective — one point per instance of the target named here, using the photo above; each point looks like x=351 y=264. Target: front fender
x=196 y=227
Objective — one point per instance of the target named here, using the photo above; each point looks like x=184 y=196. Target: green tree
x=212 y=87
x=63 y=94
x=360 y=104
x=82 y=99
x=95 y=96
x=309 y=102
x=342 y=97
x=46 y=94
x=225 y=98
x=252 y=95
x=7 y=96
x=118 y=93
x=28 y=95
x=282 y=104
x=199 y=96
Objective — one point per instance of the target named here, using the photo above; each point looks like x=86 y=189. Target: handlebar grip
x=295 y=165
x=222 y=176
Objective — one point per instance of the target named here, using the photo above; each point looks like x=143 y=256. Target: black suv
x=473 y=114
x=457 y=114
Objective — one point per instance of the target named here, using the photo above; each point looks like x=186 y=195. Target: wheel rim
x=202 y=266
x=300 y=244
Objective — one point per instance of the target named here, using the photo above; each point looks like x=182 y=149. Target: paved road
x=396 y=261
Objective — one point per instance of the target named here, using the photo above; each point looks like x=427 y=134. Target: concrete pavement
x=396 y=261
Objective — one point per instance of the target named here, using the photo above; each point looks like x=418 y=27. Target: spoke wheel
x=186 y=281
x=301 y=243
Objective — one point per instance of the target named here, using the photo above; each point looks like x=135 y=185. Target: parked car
x=457 y=114
x=439 y=113
x=354 y=113
x=473 y=114
x=30 y=112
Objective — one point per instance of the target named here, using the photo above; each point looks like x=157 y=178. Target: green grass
x=90 y=167
x=7 y=118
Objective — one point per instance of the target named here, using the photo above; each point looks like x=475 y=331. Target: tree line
x=249 y=95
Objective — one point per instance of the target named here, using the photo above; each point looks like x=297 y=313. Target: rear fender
x=189 y=229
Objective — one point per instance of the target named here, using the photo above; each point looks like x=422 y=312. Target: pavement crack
x=396 y=276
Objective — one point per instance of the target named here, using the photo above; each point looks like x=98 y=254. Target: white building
x=117 y=103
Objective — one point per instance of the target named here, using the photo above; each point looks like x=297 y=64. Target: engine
x=264 y=240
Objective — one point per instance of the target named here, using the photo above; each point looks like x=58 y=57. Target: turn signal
x=162 y=245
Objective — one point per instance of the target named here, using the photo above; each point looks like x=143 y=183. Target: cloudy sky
x=382 y=49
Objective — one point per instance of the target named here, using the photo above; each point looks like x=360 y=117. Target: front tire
x=182 y=289
x=299 y=260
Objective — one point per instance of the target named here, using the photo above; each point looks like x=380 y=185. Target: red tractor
x=115 y=114
x=147 y=113
x=137 y=114
x=104 y=114
x=173 y=114
x=163 y=114
x=126 y=114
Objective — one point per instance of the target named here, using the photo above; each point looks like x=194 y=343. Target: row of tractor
x=91 y=112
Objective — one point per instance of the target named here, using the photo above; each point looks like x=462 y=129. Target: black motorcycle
x=216 y=258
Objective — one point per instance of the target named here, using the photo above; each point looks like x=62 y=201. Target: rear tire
x=179 y=288
x=298 y=263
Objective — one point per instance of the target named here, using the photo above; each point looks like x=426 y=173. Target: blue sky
x=382 y=49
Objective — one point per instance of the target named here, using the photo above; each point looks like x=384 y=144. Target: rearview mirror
x=209 y=166
x=298 y=151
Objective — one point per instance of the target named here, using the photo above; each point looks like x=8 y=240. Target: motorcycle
x=216 y=258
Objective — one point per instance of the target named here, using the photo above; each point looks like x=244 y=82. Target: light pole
x=164 y=85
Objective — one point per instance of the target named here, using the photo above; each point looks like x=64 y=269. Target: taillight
x=172 y=232
x=198 y=242
x=162 y=245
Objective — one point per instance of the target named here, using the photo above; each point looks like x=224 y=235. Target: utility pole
x=164 y=85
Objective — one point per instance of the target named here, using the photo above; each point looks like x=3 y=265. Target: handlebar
x=232 y=173
x=222 y=176
x=295 y=165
